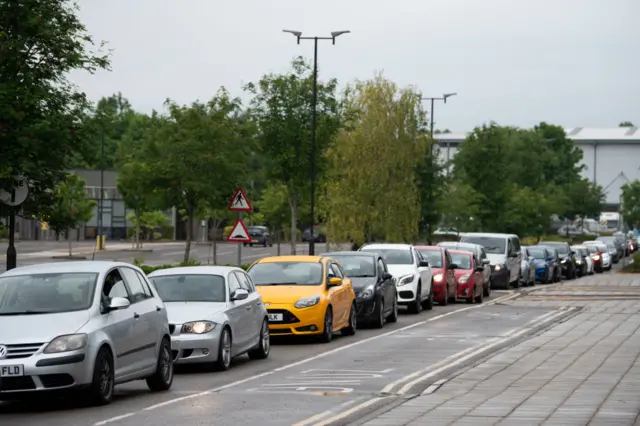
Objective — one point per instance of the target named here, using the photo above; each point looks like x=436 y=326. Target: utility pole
x=100 y=208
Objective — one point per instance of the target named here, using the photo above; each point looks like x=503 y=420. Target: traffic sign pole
x=18 y=194
x=239 y=244
x=239 y=203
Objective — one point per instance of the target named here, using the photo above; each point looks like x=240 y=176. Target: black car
x=567 y=257
x=375 y=288
x=318 y=235
x=260 y=235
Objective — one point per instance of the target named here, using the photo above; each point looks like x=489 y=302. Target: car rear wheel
x=394 y=313
x=479 y=298
x=379 y=321
x=101 y=389
x=487 y=289
x=162 y=379
x=428 y=304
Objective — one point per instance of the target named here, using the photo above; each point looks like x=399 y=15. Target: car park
x=412 y=273
x=215 y=314
x=82 y=325
x=503 y=251
x=481 y=255
x=375 y=288
x=468 y=273
x=567 y=257
x=528 y=268
x=584 y=262
x=444 y=280
x=305 y=295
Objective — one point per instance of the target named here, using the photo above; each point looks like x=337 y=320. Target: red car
x=444 y=280
x=468 y=273
x=596 y=255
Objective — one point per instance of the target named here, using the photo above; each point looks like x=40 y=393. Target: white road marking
x=434 y=387
x=347 y=413
x=312 y=419
x=310 y=359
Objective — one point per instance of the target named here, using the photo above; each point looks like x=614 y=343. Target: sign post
x=14 y=198
x=239 y=234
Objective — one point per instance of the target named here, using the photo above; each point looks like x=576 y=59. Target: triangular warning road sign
x=239 y=233
x=240 y=202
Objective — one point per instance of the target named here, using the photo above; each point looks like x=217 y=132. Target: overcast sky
x=517 y=62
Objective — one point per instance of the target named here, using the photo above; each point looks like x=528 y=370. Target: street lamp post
x=101 y=205
x=298 y=35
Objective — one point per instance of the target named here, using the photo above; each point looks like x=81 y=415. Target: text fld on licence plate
x=11 y=370
x=275 y=317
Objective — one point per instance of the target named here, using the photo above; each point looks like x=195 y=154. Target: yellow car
x=305 y=295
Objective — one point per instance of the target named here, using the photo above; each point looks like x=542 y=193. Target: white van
x=503 y=251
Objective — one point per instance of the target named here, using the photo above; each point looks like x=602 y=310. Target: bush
x=147 y=269
x=227 y=230
x=634 y=267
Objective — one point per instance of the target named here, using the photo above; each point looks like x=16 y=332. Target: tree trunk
x=137 y=230
x=69 y=240
x=278 y=232
x=187 y=247
x=293 y=203
x=216 y=225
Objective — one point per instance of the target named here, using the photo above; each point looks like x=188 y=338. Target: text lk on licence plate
x=11 y=370
x=275 y=317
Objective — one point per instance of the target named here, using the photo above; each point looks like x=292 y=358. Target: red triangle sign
x=239 y=233
x=240 y=202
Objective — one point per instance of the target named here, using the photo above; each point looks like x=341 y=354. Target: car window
x=483 y=254
x=234 y=284
x=516 y=243
x=114 y=286
x=253 y=286
x=336 y=271
x=381 y=270
x=145 y=283
x=138 y=292
x=244 y=282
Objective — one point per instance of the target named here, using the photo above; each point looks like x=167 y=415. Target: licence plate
x=11 y=370
x=275 y=317
x=254 y=241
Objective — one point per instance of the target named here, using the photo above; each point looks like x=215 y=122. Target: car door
x=162 y=317
x=510 y=260
x=252 y=308
x=486 y=271
x=240 y=318
x=340 y=294
x=477 y=273
x=385 y=284
x=424 y=271
x=118 y=325
x=450 y=274
x=147 y=325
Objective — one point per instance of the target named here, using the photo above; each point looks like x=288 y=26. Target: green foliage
x=431 y=180
x=70 y=205
x=631 y=203
x=41 y=112
x=274 y=205
x=626 y=124
x=634 y=267
x=149 y=269
x=147 y=222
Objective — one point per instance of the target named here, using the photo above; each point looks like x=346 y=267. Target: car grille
x=287 y=317
x=24 y=350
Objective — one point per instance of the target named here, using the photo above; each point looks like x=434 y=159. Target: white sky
x=517 y=62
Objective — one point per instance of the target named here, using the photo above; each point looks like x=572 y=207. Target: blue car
x=547 y=264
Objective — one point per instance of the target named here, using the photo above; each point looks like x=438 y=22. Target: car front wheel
x=162 y=378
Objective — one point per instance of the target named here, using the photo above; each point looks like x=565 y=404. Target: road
x=32 y=252
x=307 y=383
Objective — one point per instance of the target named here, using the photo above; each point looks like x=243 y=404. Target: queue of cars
x=93 y=325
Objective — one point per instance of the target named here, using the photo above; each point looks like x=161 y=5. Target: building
x=611 y=156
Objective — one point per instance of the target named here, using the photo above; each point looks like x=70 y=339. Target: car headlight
x=463 y=279
x=307 y=302
x=497 y=267
x=407 y=279
x=579 y=262
x=438 y=277
x=596 y=257
x=366 y=294
x=198 y=327
x=563 y=261
x=69 y=342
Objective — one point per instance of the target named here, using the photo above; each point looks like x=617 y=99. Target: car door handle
x=136 y=315
x=248 y=308
x=158 y=308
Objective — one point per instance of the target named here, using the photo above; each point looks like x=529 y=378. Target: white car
x=215 y=314
x=413 y=275
x=596 y=248
x=583 y=255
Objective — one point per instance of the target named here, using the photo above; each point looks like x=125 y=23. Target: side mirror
x=423 y=264
x=479 y=268
x=573 y=253
x=453 y=266
x=486 y=262
x=335 y=282
x=387 y=276
x=118 y=303
x=239 y=294
x=513 y=255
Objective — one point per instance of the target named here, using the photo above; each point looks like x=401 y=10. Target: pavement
x=153 y=253
x=552 y=354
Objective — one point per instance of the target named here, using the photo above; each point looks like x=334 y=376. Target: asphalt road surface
x=33 y=252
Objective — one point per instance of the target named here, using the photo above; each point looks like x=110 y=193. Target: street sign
x=240 y=202
x=239 y=233
x=18 y=194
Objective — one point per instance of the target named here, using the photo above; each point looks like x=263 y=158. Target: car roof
x=387 y=246
x=552 y=243
x=95 y=266
x=195 y=270
x=469 y=253
x=488 y=234
x=294 y=258
x=350 y=253
x=433 y=248
x=458 y=245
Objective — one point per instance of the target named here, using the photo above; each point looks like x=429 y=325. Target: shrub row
x=633 y=267
x=149 y=269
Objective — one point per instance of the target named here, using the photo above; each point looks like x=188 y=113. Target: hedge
x=147 y=269
x=634 y=267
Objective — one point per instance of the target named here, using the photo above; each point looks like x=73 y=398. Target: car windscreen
x=286 y=273
x=593 y=248
x=462 y=261
x=357 y=266
x=584 y=252
x=46 y=293
x=255 y=231
x=191 y=288
x=434 y=257
x=560 y=247
x=394 y=256
x=538 y=253
x=492 y=245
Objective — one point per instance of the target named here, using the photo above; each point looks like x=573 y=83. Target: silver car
x=215 y=314
x=528 y=268
x=82 y=325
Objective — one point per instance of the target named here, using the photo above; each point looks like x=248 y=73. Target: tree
x=274 y=206
x=216 y=217
x=41 y=112
x=431 y=186
x=71 y=206
x=631 y=203
x=197 y=155
x=583 y=199
x=460 y=207
x=626 y=124
x=282 y=105
x=372 y=189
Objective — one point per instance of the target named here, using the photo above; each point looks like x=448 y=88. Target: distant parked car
x=545 y=264
x=601 y=254
x=567 y=257
x=318 y=235
x=444 y=279
x=503 y=250
x=215 y=314
x=618 y=250
x=528 y=268
x=481 y=255
x=584 y=262
x=260 y=235
x=86 y=325
x=468 y=274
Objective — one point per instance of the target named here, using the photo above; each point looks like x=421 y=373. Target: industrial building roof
x=578 y=134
